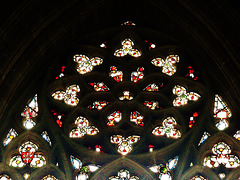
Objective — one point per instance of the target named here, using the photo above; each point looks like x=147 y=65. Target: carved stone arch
x=10 y=171
x=199 y=170
x=218 y=137
x=235 y=174
x=134 y=168
x=47 y=170
x=12 y=148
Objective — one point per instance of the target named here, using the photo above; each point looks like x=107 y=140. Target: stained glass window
x=198 y=177
x=69 y=97
x=98 y=105
x=116 y=74
x=5 y=177
x=83 y=128
x=124 y=174
x=237 y=135
x=10 y=136
x=183 y=96
x=86 y=65
x=49 y=177
x=127 y=48
x=137 y=118
x=168 y=65
x=151 y=104
x=28 y=156
x=29 y=113
x=114 y=117
x=124 y=145
x=100 y=86
x=82 y=171
x=222 y=156
x=151 y=87
x=221 y=113
x=137 y=75
x=46 y=137
x=204 y=138
x=164 y=170
x=167 y=128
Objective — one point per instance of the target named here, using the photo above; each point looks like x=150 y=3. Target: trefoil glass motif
x=86 y=65
x=114 y=117
x=127 y=48
x=100 y=86
x=126 y=95
x=137 y=118
x=98 y=105
x=124 y=145
x=123 y=174
x=29 y=113
x=82 y=128
x=183 y=96
x=164 y=171
x=69 y=97
x=83 y=171
x=222 y=156
x=168 y=129
x=221 y=113
x=168 y=65
x=28 y=156
x=137 y=75
x=10 y=136
x=115 y=74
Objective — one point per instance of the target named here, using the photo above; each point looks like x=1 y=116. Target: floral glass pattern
x=222 y=156
x=115 y=74
x=82 y=128
x=124 y=175
x=29 y=113
x=100 y=86
x=127 y=48
x=98 y=105
x=137 y=118
x=83 y=171
x=69 y=97
x=137 y=75
x=114 y=117
x=168 y=65
x=124 y=145
x=10 y=136
x=183 y=96
x=164 y=171
x=168 y=129
x=221 y=113
x=84 y=64
x=28 y=156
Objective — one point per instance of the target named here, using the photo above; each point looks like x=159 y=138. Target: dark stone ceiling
x=34 y=33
